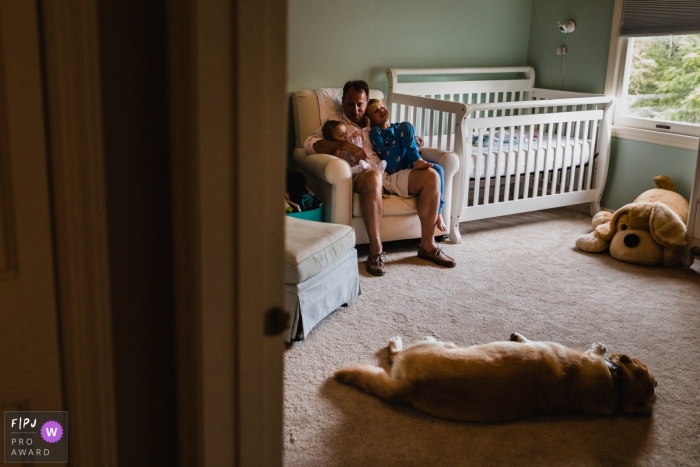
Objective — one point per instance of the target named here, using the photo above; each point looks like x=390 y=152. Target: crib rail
x=466 y=92
x=549 y=150
x=439 y=123
x=516 y=156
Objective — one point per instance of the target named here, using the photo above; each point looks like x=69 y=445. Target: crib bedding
x=545 y=155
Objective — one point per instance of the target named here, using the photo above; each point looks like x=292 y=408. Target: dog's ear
x=625 y=359
x=607 y=231
x=667 y=229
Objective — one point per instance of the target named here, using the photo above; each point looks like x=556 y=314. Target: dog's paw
x=429 y=339
x=599 y=348
x=395 y=344
x=517 y=337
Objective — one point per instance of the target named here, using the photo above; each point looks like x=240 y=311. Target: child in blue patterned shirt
x=396 y=144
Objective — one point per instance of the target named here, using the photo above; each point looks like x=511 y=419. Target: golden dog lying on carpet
x=507 y=380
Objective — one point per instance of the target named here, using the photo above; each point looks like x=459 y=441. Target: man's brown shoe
x=375 y=264
x=436 y=256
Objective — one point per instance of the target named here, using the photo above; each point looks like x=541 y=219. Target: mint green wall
x=633 y=164
x=331 y=41
x=587 y=57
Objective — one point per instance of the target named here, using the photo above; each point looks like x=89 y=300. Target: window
x=655 y=78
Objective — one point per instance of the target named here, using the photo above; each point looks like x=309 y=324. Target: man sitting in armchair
x=370 y=184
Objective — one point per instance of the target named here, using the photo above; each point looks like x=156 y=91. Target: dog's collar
x=616 y=374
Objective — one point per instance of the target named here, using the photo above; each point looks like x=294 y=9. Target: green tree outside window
x=664 y=82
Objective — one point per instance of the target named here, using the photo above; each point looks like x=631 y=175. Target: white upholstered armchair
x=330 y=179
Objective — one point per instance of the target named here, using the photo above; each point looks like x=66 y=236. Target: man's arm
x=325 y=146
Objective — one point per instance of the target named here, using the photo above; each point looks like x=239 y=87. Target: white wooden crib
x=521 y=148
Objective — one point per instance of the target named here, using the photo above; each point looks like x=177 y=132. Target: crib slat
x=556 y=168
x=584 y=146
x=527 y=163
x=573 y=154
x=592 y=150
x=553 y=170
x=477 y=168
x=562 y=182
x=487 y=171
x=440 y=130
x=497 y=188
x=518 y=158
x=536 y=187
x=429 y=127
x=450 y=142
x=506 y=193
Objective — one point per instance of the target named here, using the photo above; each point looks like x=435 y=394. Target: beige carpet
x=515 y=273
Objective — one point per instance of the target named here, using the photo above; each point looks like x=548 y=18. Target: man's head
x=378 y=113
x=355 y=95
x=334 y=130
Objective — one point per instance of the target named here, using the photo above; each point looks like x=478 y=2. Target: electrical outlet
x=561 y=50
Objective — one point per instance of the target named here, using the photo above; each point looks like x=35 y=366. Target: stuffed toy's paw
x=591 y=243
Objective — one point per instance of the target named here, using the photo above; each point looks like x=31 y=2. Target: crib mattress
x=513 y=156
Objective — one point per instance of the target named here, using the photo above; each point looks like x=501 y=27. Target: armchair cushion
x=311 y=246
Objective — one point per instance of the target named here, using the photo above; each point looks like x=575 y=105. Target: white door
x=30 y=375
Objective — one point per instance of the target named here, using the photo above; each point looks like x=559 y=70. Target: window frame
x=634 y=128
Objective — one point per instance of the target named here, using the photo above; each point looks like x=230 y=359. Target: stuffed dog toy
x=649 y=231
x=507 y=380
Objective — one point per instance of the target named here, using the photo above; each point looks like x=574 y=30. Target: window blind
x=660 y=17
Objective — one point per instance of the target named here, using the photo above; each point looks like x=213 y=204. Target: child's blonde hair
x=371 y=102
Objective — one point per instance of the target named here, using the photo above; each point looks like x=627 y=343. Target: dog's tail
x=375 y=381
x=664 y=182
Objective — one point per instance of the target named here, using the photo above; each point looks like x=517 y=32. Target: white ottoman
x=320 y=272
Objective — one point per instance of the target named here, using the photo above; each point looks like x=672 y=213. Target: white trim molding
x=655 y=137
x=613 y=82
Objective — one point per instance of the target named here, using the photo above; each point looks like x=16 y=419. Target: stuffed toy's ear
x=607 y=231
x=666 y=227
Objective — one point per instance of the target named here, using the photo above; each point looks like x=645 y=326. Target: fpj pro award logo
x=36 y=437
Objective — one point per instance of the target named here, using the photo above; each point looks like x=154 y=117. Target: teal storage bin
x=311 y=215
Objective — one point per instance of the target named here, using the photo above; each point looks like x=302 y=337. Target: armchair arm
x=449 y=161
x=330 y=179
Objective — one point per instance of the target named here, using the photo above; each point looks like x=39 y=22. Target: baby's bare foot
x=440 y=223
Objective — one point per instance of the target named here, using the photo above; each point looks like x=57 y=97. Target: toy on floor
x=650 y=231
